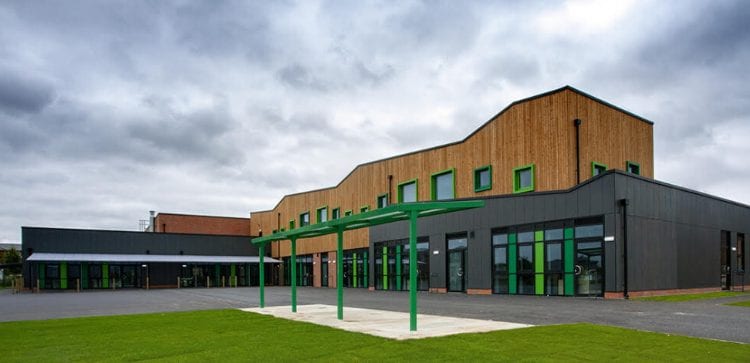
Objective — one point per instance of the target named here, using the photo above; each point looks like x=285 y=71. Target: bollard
x=208 y=282
x=222 y=282
x=37 y=285
x=147 y=282
x=78 y=285
x=178 y=282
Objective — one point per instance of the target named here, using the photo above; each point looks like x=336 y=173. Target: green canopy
x=389 y=214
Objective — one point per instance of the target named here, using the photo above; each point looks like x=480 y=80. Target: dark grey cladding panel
x=122 y=242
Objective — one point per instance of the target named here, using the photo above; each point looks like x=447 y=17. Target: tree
x=12 y=256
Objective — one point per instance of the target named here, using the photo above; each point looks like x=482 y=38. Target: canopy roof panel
x=389 y=214
x=111 y=257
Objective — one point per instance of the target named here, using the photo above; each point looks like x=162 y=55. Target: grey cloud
x=299 y=76
x=24 y=94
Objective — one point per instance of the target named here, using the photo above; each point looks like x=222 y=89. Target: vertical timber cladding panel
x=633 y=138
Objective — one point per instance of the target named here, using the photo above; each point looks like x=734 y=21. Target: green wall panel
x=354 y=269
x=539 y=267
x=569 y=258
x=385 y=268
x=105 y=275
x=568 y=234
x=63 y=275
x=398 y=267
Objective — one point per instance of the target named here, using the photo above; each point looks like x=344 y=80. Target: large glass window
x=523 y=179
x=407 y=191
x=355 y=268
x=442 y=185
x=392 y=265
x=483 y=178
x=500 y=263
x=324 y=269
x=336 y=213
x=322 y=214
x=525 y=267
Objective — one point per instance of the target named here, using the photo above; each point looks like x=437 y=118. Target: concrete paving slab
x=386 y=324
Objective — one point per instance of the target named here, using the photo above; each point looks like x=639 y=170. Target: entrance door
x=726 y=257
x=457 y=264
x=589 y=269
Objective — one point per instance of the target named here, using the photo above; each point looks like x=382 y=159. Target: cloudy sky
x=111 y=109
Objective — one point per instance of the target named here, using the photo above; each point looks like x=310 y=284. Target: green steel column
x=412 y=271
x=398 y=267
x=262 y=278
x=340 y=275
x=294 y=274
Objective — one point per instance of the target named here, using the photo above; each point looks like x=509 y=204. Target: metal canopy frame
x=389 y=214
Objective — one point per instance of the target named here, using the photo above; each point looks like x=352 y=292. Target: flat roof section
x=108 y=257
x=386 y=324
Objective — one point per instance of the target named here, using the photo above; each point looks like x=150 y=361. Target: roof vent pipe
x=577 y=123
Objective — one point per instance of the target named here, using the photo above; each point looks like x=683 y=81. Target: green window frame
x=597 y=166
x=304 y=219
x=433 y=183
x=291 y=224
x=336 y=213
x=517 y=188
x=319 y=214
x=364 y=208
x=630 y=164
x=382 y=201
x=400 y=190
x=348 y=212
x=478 y=187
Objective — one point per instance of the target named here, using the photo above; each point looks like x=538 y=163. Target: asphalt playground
x=701 y=318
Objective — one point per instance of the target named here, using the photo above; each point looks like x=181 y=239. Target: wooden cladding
x=537 y=131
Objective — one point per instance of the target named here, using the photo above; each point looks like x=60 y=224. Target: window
x=553 y=262
x=597 y=168
x=304 y=219
x=500 y=263
x=348 y=213
x=364 y=208
x=442 y=185
x=322 y=214
x=633 y=167
x=336 y=213
x=291 y=224
x=483 y=178
x=382 y=200
x=523 y=179
x=407 y=191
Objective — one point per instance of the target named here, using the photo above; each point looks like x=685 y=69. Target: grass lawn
x=741 y=303
x=689 y=297
x=232 y=335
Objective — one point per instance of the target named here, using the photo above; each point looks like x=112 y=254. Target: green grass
x=232 y=335
x=690 y=297
x=741 y=303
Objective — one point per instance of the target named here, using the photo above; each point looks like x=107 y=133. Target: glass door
x=457 y=264
x=128 y=278
x=589 y=269
x=725 y=258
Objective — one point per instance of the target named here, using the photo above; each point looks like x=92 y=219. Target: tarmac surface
x=702 y=318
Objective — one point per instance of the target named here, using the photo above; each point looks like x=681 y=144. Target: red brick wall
x=182 y=223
